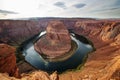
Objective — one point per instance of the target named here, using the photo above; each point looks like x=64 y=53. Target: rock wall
x=103 y=64
x=15 y=32
x=8 y=60
x=104 y=30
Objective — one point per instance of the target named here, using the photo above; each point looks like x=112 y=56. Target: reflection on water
x=72 y=62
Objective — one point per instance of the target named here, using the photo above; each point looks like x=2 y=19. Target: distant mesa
x=56 y=42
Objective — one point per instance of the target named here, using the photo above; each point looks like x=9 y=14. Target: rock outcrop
x=103 y=64
x=110 y=31
x=8 y=60
x=37 y=75
x=56 y=42
x=9 y=30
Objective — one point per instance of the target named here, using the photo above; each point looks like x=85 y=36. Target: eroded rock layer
x=103 y=64
x=8 y=60
x=56 y=42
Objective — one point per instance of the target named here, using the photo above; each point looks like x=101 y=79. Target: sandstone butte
x=102 y=64
x=56 y=42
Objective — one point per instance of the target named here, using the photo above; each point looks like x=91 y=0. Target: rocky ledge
x=56 y=42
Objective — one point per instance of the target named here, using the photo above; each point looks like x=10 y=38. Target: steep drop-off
x=102 y=64
x=8 y=60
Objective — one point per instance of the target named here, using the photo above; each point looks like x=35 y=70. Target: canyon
x=102 y=64
x=56 y=42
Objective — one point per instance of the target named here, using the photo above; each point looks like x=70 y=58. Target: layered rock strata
x=103 y=64
x=56 y=42
x=8 y=60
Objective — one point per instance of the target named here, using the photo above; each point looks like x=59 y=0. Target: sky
x=59 y=8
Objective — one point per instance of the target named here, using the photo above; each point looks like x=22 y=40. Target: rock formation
x=8 y=60
x=10 y=29
x=103 y=64
x=56 y=42
x=37 y=75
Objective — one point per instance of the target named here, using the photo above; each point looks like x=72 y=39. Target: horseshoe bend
x=60 y=49
x=56 y=42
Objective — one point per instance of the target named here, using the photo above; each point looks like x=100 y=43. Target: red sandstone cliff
x=104 y=30
x=103 y=64
x=16 y=32
x=8 y=60
x=12 y=31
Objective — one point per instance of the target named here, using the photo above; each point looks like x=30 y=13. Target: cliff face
x=8 y=60
x=102 y=64
x=104 y=30
x=89 y=28
x=110 y=30
x=16 y=32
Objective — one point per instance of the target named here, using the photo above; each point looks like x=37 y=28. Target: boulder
x=56 y=42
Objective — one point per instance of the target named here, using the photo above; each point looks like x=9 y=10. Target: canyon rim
x=102 y=64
